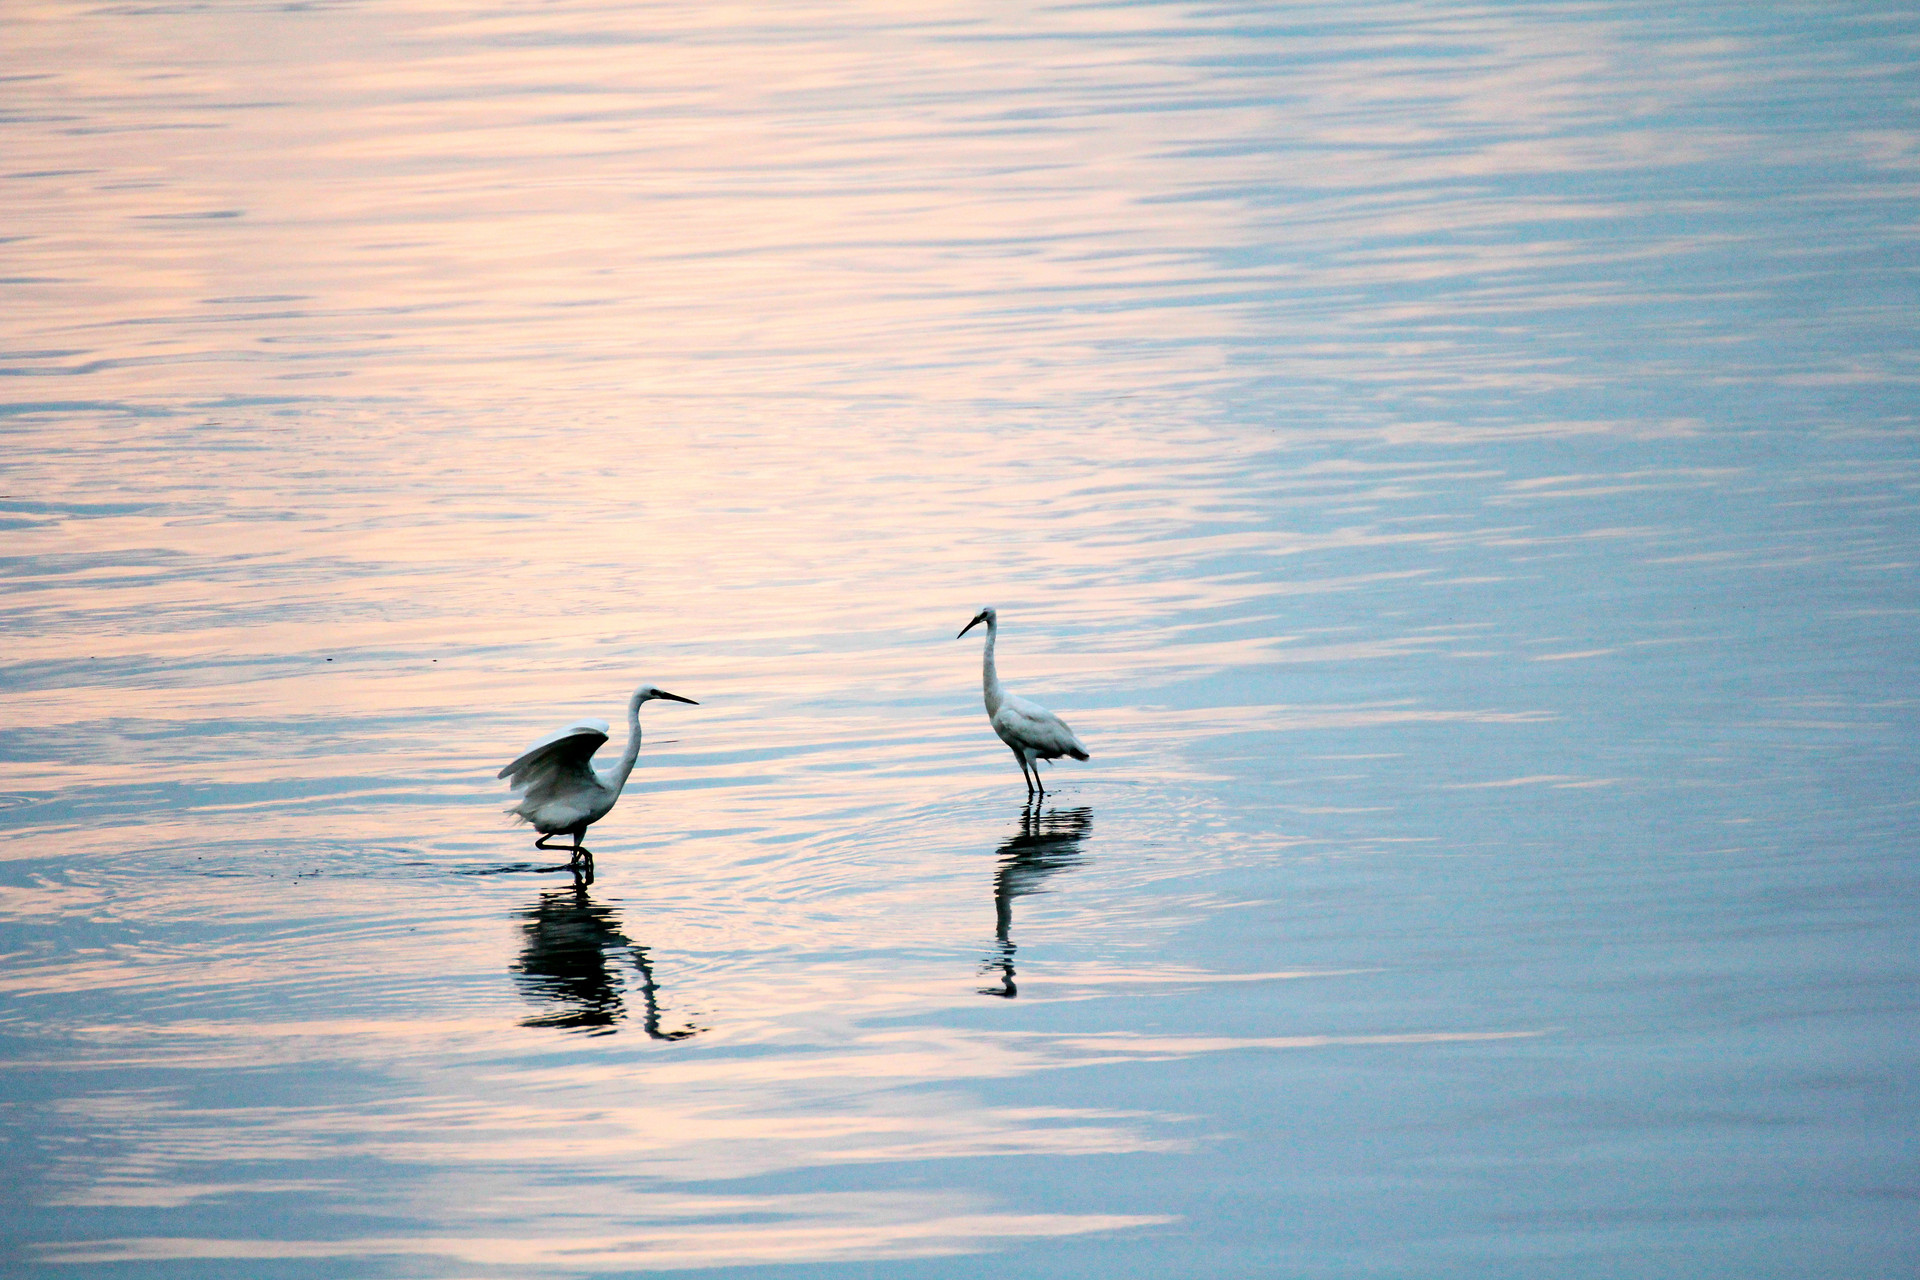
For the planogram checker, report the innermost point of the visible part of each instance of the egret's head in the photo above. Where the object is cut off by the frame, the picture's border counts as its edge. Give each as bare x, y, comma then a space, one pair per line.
648, 692
986, 615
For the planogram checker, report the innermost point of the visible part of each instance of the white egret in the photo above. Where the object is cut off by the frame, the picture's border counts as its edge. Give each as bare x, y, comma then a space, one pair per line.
562, 793
1030, 731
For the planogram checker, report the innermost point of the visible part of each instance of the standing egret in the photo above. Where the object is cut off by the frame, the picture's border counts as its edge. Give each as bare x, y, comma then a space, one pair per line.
1030, 731
561, 791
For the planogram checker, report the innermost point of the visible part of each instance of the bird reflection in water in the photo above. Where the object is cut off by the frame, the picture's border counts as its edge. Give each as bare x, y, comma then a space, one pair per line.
1048, 842
571, 963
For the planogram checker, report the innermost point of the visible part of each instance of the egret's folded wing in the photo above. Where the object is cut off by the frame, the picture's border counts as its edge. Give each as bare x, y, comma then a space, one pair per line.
1032, 725
561, 756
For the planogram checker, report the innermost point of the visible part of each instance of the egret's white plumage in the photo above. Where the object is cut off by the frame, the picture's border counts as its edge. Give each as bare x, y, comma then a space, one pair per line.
1030, 731
561, 792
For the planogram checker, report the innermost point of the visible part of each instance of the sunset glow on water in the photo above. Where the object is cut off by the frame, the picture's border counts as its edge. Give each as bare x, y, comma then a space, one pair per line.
1453, 465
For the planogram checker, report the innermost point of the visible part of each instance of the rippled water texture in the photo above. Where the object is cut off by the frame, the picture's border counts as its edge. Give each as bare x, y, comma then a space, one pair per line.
1455, 466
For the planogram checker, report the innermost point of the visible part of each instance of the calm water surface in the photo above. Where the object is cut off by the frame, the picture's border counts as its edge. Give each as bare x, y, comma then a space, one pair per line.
1455, 465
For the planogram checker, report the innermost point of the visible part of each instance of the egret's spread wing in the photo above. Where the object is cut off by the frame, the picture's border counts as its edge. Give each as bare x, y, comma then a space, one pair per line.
1028, 724
558, 762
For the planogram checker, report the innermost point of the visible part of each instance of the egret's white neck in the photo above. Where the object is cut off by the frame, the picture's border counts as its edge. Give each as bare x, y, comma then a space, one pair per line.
617, 778
989, 674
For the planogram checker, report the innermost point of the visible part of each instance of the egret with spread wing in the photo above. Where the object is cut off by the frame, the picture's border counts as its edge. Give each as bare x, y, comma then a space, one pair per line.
1030, 731
561, 793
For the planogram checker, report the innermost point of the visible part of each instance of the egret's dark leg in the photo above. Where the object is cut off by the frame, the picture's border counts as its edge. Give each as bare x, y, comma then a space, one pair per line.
541, 843
1021, 760
1038, 785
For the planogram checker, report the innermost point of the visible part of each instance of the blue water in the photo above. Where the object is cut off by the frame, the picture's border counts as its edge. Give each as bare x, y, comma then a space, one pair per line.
1455, 466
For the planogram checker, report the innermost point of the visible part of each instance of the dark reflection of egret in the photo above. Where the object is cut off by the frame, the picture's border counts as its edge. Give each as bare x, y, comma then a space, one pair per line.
1048, 842
572, 964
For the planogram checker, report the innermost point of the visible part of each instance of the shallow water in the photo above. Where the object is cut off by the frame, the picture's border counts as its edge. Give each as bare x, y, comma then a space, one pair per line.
1454, 465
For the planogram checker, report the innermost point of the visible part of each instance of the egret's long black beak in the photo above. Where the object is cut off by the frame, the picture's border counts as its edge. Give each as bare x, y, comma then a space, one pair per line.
674, 697
971, 625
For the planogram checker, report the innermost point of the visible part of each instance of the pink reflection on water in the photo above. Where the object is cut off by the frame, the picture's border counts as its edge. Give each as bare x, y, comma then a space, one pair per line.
758, 213
850, 1227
